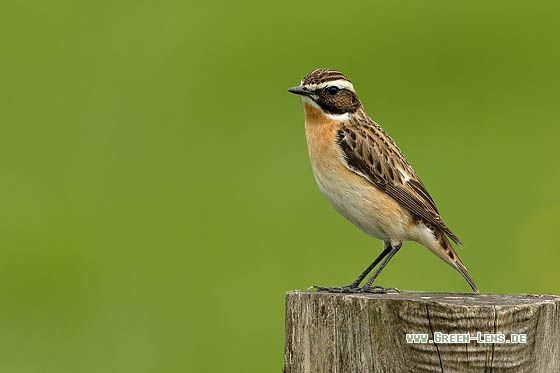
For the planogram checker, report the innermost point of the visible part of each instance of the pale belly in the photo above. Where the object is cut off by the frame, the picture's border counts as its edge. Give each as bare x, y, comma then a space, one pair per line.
361, 203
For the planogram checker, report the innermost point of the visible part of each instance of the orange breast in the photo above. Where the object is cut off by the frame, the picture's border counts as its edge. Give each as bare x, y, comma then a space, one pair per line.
320, 131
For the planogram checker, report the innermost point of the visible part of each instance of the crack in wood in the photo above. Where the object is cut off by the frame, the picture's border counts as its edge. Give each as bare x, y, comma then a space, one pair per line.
366, 332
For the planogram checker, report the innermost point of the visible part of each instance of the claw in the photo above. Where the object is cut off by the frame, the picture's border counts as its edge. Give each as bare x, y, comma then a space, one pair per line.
379, 289
350, 289
342, 289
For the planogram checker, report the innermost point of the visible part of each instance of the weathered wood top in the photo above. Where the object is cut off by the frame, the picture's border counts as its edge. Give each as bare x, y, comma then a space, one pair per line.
465, 299
329, 332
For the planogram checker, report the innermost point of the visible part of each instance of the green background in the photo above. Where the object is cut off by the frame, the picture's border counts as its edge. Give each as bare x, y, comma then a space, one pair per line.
157, 199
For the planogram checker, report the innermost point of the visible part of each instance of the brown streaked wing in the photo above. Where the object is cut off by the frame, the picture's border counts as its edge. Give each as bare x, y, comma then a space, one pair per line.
371, 153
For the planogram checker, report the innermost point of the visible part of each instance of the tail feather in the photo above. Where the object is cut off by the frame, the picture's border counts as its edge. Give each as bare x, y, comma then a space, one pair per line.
449, 255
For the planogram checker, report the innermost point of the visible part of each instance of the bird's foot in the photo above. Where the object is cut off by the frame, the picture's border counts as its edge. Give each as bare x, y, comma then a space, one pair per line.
378, 289
352, 289
339, 289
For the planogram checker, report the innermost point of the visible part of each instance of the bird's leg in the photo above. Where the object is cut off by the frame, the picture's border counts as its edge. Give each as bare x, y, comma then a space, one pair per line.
354, 286
356, 283
367, 288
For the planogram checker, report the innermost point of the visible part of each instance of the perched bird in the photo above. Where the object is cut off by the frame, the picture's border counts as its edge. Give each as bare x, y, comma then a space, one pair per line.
365, 177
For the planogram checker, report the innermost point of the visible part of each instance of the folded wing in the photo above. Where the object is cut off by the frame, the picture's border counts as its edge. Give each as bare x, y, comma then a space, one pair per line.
371, 153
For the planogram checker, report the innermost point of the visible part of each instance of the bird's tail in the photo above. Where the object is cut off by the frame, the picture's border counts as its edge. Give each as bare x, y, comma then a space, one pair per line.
446, 252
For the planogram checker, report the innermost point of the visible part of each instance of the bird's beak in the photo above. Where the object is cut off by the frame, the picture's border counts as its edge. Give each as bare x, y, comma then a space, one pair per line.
300, 90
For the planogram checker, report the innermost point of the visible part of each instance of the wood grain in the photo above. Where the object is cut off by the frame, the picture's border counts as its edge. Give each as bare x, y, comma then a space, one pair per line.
328, 332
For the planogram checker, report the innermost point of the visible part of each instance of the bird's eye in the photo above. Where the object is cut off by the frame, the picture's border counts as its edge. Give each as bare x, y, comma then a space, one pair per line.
333, 90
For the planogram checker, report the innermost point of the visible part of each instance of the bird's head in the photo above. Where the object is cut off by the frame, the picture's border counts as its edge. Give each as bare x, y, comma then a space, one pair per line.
328, 90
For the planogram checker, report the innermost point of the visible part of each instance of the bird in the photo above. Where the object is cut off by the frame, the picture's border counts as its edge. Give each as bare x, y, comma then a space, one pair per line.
366, 178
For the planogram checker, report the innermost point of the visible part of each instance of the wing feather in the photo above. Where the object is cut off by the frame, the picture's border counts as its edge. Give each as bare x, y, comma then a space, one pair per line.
371, 153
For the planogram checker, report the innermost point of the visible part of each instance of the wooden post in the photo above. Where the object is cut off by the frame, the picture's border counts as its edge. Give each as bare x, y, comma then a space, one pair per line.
367, 332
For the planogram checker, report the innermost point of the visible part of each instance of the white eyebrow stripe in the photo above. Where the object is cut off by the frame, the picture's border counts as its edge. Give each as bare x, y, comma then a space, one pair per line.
339, 83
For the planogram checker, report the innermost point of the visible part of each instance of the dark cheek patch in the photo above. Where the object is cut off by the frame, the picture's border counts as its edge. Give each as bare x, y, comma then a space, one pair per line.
344, 102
